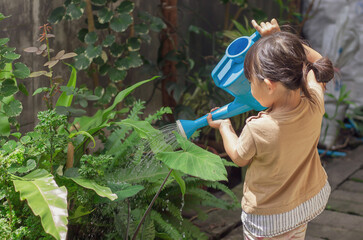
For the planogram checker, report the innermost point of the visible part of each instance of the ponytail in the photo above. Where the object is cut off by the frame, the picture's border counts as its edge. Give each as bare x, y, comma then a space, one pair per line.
323, 70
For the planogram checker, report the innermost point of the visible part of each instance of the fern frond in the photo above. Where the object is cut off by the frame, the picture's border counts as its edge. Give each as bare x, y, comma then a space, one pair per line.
165, 226
222, 187
136, 110
158, 114
193, 232
208, 199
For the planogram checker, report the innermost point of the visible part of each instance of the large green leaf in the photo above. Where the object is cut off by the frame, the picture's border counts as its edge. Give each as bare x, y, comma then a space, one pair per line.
90, 184
64, 99
46, 200
128, 190
143, 128
194, 161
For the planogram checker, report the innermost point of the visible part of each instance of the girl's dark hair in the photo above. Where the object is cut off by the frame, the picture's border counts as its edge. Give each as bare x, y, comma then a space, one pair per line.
281, 57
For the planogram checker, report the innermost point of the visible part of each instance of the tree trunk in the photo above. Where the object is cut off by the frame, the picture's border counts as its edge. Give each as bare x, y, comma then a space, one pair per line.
169, 43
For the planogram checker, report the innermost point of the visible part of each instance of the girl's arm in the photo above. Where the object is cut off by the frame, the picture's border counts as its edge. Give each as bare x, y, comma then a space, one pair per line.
268, 28
229, 137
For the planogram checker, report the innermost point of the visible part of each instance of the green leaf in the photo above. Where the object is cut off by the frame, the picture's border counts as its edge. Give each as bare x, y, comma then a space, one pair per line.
30, 165
104, 15
93, 51
125, 7
81, 62
13, 108
91, 38
121, 23
178, 178
80, 212
73, 11
141, 28
9, 146
16, 134
46, 200
11, 56
64, 99
135, 60
21, 70
82, 34
143, 128
57, 15
8, 88
116, 75
108, 40
99, 2
99, 120
90, 184
2, 16
40, 90
4, 125
23, 89
134, 44
128, 190
116, 50
157, 24
121, 95
3, 41
194, 161
85, 134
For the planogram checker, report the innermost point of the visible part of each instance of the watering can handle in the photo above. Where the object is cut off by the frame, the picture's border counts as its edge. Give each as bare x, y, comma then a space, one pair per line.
255, 36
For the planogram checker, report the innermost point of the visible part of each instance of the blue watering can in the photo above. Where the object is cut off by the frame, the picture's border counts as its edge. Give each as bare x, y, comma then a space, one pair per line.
228, 75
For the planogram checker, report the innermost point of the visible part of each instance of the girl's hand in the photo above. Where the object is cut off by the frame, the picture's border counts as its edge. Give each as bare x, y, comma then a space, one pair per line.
217, 123
267, 28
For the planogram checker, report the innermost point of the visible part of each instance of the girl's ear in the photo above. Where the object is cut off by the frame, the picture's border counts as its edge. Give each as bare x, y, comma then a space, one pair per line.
271, 85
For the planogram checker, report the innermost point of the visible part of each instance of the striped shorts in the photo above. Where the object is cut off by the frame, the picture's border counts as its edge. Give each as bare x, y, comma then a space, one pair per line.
297, 234
278, 224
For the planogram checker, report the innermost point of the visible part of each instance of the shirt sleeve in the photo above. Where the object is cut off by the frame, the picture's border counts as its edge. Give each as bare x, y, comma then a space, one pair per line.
246, 146
317, 94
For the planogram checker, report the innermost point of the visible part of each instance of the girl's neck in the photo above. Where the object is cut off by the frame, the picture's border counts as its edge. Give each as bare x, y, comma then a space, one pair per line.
286, 101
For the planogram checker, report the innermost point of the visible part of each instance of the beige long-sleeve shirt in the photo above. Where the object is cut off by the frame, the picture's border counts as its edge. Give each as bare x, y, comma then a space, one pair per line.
285, 170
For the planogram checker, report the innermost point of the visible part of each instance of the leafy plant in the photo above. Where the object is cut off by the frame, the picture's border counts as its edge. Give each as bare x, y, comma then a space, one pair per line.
10, 107
54, 81
111, 39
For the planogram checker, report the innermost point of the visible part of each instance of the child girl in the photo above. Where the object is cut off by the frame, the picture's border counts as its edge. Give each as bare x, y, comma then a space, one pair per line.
285, 185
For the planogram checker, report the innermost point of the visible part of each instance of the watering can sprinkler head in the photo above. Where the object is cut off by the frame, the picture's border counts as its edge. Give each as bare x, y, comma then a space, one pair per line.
228, 75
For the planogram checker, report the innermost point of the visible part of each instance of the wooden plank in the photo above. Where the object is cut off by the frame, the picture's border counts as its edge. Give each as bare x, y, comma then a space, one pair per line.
358, 175
318, 231
219, 223
347, 202
341, 170
352, 186
236, 234
340, 220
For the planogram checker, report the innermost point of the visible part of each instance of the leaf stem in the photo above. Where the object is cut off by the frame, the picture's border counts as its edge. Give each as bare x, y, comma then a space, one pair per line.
150, 206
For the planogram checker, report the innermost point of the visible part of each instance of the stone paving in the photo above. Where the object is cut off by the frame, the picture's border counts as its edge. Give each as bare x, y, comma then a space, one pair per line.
342, 219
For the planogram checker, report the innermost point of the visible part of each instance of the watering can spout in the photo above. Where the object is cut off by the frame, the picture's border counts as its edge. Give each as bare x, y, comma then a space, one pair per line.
228, 75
